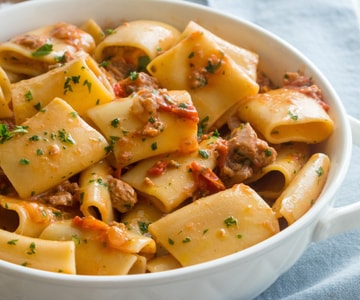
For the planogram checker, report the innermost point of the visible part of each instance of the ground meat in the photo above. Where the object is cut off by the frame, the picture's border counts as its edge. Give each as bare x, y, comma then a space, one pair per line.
264, 82
30, 41
304, 85
245, 154
123, 196
65, 194
138, 81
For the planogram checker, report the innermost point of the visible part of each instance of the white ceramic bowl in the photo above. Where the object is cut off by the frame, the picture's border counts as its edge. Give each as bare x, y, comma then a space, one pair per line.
239, 276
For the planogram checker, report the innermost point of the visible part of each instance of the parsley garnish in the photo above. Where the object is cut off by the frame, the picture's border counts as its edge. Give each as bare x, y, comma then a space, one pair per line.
144, 227
230, 221
6, 134
43, 50
65, 137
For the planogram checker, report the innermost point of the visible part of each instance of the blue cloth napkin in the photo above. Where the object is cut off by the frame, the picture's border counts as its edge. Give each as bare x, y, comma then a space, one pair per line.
328, 33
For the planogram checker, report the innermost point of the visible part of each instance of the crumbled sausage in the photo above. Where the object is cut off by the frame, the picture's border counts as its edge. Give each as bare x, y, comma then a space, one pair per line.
123, 196
245, 154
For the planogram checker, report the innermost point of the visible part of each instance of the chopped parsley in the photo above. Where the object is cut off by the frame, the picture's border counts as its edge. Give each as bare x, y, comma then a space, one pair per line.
203, 153
43, 50
115, 123
293, 116
29, 96
320, 171
7, 134
230, 221
201, 126
154, 146
110, 147
32, 247
186, 240
24, 161
143, 226
65, 137
133, 75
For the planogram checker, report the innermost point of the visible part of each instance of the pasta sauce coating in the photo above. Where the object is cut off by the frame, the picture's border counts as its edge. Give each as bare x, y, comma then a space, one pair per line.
144, 148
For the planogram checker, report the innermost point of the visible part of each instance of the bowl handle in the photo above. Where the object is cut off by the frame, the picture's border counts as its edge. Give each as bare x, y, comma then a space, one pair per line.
345, 218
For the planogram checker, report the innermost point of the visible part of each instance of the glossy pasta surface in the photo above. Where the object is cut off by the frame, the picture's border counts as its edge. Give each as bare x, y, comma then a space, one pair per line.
144, 148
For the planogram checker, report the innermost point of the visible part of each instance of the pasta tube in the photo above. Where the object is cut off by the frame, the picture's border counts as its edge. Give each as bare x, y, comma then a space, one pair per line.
34, 52
304, 189
275, 177
215, 226
54, 256
79, 82
285, 115
136, 40
25, 217
162, 263
166, 180
52, 146
100, 249
202, 66
138, 219
95, 194
5, 95
135, 133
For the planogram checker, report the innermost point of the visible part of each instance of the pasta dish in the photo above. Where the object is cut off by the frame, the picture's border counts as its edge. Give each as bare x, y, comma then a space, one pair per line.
145, 148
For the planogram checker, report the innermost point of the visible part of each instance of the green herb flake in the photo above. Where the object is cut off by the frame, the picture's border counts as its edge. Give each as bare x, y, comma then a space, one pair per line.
143, 226
183, 105
88, 84
115, 122
320, 171
171, 241
37, 106
110, 31
29, 96
201, 126
211, 67
12, 242
60, 58
32, 247
230, 221
293, 116
104, 64
75, 239
66, 137
203, 153
74, 114
154, 146
133, 75
268, 152
34, 138
24, 161
43, 50
110, 147
186, 240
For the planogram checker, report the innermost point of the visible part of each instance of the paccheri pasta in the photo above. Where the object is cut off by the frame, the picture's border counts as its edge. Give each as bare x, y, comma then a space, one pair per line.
146, 148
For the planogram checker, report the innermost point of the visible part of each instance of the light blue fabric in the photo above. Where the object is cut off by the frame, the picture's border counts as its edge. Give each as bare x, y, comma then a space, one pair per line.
328, 33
